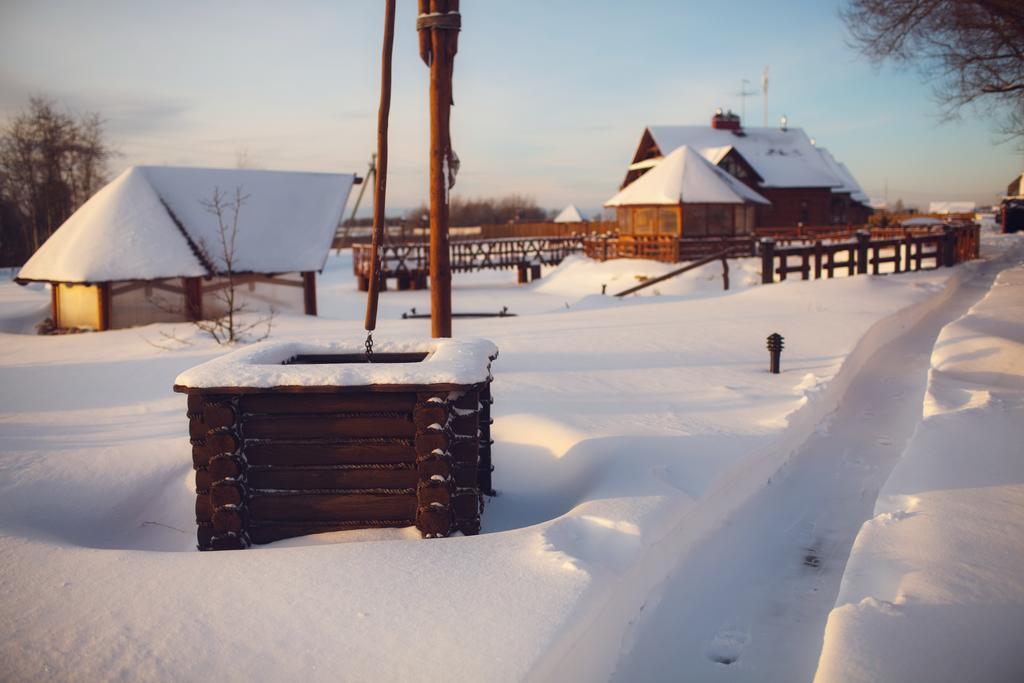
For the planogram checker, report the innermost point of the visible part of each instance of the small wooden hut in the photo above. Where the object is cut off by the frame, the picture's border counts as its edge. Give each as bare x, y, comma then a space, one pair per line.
685, 195
147, 249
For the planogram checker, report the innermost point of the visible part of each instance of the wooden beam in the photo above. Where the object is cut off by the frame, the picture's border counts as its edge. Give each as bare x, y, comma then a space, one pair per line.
103, 295
309, 291
194, 298
381, 174
55, 303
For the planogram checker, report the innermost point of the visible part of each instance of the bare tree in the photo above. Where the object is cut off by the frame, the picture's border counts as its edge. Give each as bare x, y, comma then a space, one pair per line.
972, 51
227, 328
484, 211
50, 164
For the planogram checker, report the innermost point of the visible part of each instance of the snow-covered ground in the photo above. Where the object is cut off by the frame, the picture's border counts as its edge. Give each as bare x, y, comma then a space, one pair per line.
934, 589
629, 434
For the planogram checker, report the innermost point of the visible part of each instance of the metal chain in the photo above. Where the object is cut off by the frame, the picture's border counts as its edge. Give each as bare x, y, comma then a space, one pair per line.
369, 347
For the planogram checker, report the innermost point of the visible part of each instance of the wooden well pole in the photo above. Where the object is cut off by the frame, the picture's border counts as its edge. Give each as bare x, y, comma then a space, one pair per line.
381, 174
438, 27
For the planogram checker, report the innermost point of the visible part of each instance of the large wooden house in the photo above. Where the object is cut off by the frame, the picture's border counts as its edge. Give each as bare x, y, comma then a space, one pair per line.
803, 184
146, 248
685, 195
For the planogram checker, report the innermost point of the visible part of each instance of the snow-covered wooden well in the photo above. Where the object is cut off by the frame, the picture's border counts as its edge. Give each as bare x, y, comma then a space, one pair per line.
295, 438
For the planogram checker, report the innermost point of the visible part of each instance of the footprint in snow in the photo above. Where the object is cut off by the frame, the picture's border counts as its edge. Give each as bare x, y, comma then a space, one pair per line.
884, 441
726, 647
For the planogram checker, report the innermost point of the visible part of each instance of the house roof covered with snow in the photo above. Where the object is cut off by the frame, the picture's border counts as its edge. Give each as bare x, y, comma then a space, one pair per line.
570, 214
951, 207
685, 176
782, 157
155, 222
839, 169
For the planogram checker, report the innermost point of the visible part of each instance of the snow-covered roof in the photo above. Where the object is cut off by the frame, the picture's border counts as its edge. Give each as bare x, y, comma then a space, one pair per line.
783, 158
570, 214
839, 169
150, 222
685, 176
951, 207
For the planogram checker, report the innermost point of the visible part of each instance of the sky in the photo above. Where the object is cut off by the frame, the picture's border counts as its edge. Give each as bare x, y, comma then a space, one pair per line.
551, 97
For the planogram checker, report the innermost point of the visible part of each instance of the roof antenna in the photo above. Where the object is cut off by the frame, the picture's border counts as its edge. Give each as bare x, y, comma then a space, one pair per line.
744, 94
764, 90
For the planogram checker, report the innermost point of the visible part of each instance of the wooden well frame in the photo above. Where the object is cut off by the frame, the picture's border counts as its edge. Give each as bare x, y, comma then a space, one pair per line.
284, 461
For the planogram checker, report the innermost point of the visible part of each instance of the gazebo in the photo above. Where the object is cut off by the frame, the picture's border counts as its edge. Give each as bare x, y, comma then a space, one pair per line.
145, 248
685, 195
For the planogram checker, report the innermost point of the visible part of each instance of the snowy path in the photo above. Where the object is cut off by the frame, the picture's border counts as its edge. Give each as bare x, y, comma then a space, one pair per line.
750, 602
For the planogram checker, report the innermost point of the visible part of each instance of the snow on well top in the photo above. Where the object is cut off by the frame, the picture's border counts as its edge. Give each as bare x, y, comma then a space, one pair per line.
784, 158
449, 361
570, 214
685, 176
139, 226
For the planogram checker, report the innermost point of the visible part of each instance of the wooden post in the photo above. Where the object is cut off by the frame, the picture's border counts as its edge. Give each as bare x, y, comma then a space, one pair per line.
193, 298
948, 246
767, 260
55, 304
725, 272
103, 289
438, 26
817, 259
863, 238
381, 174
309, 292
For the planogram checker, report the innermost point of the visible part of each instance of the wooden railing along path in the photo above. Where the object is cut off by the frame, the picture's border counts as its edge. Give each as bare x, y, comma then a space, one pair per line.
409, 263
870, 252
843, 250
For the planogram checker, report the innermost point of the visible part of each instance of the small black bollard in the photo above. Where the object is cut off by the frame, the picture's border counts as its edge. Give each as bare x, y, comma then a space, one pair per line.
775, 344
604, 289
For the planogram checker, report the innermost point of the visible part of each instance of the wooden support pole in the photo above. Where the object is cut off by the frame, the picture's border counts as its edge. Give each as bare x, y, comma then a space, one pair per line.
309, 292
55, 304
439, 19
381, 175
193, 298
767, 260
863, 238
103, 290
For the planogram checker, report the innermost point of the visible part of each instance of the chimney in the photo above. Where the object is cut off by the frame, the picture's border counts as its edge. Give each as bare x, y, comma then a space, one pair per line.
726, 121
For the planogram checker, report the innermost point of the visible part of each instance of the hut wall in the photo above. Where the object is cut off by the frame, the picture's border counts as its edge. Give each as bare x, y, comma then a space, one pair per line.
78, 306
142, 303
283, 293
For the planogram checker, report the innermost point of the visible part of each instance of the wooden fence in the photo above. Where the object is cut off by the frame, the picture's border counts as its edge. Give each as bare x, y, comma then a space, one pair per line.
665, 248
409, 263
870, 252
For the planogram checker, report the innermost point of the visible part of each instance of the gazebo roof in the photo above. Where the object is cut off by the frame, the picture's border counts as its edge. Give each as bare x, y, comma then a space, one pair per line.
570, 214
150, 222
685, 176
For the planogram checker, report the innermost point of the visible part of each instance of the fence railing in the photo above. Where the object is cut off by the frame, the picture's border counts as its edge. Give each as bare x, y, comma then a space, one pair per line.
665, 248
870, 252
409, 263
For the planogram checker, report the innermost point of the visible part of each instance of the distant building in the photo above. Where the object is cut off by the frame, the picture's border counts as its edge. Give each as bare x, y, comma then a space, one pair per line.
571, 214
946, 208
686, 195
802, 183
145, 248
1011, 211
1016, 187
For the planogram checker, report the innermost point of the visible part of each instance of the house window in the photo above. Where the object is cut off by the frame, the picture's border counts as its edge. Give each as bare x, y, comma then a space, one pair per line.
644, 221
719, 219
695, 222
624, 224
668, 221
